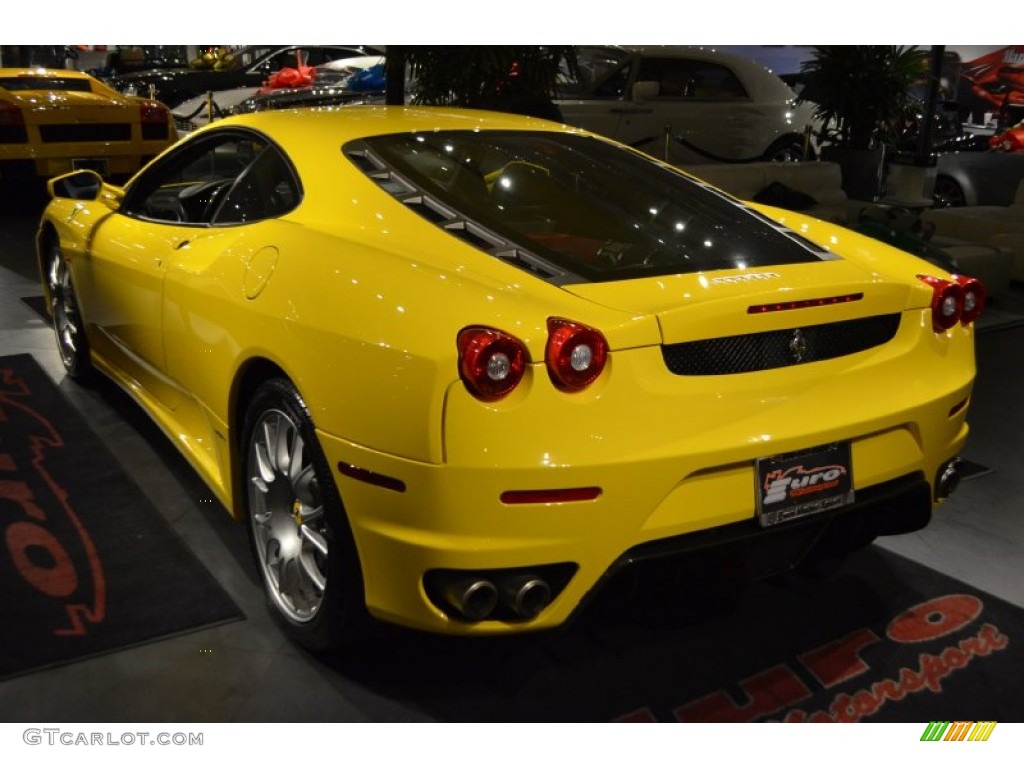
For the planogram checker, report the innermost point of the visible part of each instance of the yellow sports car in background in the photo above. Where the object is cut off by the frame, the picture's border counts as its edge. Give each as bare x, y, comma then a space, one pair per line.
455, 369
53, 121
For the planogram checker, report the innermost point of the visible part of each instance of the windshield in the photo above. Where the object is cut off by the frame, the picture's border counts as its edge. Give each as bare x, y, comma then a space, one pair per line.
583, 205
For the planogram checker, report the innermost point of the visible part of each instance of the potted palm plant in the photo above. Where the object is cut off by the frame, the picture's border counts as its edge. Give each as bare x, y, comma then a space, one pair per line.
507, 78
861, 94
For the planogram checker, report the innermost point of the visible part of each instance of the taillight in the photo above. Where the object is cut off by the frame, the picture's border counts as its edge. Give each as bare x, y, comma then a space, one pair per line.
10, 114
153, 112
947, 302
154, 121
12, 124
974, 298
575, 354
491, 362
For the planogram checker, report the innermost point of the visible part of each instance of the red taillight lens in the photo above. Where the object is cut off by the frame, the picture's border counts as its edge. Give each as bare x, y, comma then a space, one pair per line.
947, 302
974, 298
491, 362
152, 112
575, 355
10, 114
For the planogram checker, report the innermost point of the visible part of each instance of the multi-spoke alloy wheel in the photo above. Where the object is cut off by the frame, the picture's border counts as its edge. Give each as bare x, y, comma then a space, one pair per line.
287, 516
67, 319
300, 537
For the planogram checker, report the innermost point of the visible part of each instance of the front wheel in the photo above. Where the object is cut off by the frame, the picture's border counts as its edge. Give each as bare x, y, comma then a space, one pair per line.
68, 326
299, 533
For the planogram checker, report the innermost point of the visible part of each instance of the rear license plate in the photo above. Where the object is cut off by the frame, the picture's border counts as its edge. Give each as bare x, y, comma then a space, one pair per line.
795, 485
98, 164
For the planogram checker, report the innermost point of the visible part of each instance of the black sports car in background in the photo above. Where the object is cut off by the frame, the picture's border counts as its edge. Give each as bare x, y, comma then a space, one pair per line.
250, 66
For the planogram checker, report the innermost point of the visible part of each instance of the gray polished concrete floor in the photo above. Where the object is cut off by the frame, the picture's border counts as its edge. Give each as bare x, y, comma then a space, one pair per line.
255, 674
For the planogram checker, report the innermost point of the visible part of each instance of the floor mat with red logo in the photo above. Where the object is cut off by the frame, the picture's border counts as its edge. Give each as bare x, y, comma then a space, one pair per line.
87, 565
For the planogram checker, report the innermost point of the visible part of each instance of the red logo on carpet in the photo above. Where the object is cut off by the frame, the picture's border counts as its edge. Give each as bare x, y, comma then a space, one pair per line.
777, 691
48, 545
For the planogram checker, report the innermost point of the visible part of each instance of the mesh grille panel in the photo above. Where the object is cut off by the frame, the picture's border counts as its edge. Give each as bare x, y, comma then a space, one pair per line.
86, 132
13, 134
778, 349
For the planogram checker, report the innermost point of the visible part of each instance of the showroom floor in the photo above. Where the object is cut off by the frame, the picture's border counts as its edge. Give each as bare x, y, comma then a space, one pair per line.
248, 671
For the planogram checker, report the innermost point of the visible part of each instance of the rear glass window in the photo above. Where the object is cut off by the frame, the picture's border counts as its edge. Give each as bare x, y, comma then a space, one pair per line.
33, 83
589, 208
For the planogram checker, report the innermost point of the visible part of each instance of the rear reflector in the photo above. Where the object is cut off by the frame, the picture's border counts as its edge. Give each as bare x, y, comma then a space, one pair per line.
553, 496
958, 407
373, 478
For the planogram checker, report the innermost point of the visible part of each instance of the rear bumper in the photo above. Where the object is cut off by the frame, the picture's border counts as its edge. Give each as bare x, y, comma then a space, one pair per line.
53, 159
106, 161
451, 521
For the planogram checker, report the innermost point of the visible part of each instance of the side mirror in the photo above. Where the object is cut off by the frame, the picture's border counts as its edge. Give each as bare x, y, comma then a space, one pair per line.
644, 90
85, 185
78, 185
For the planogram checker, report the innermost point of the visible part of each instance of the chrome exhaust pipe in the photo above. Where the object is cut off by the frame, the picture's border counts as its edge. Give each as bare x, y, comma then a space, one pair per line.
475, 599
949, 479
526, 595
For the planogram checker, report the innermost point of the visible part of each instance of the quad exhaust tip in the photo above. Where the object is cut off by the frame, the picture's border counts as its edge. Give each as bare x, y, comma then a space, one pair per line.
526, 596
518, 596
475, 599
949, 479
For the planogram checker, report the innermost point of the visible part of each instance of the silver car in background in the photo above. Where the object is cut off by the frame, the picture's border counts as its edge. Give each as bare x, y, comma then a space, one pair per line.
685, 105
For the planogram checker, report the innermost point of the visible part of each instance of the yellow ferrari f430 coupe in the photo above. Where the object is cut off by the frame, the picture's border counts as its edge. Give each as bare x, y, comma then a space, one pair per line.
454, 370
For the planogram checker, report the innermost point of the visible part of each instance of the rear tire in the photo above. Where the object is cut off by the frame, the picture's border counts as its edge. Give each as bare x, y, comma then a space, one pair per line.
300, 536
948, 193
787, 150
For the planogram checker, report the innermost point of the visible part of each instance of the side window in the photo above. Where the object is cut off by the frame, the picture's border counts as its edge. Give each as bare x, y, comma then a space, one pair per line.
686, 79
615, 86
280, 60
190, 185
600, 73
317, 56
268, 188
673, 76
712, 81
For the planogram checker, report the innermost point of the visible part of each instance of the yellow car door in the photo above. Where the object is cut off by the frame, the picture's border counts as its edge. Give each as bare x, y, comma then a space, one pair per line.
123, 294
